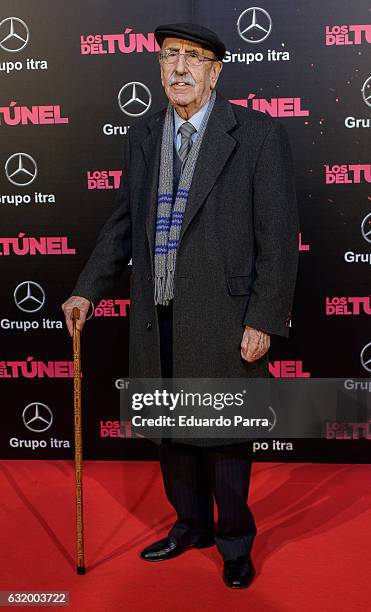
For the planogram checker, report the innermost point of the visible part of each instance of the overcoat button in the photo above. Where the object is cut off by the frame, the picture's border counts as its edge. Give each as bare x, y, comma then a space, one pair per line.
149, 325
149, 278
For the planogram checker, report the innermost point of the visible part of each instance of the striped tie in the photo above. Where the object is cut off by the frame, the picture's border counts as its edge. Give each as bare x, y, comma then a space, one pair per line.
186, 130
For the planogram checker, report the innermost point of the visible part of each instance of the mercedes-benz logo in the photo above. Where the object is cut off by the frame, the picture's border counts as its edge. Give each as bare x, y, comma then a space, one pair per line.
29, 296
21, 169
366, 357
14, 34
134, 99
366, 91
37, 417
366, 228
254, 25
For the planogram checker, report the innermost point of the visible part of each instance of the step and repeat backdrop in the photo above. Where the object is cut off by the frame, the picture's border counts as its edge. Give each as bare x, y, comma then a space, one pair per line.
75, 76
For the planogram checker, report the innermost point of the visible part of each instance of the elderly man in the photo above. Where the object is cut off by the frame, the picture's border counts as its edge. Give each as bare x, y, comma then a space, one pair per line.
207, 211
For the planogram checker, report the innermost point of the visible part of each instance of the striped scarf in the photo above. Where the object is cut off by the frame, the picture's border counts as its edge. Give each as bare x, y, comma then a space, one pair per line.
170, 210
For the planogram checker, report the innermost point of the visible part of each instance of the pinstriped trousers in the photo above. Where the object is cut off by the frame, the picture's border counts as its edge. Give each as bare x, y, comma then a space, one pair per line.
195, 476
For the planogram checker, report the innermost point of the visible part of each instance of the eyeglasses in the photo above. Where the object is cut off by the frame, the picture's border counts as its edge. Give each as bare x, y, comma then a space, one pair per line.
191, 58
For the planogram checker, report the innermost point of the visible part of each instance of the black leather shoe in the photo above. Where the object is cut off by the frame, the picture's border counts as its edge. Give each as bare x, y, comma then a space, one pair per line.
168, 548
238, 573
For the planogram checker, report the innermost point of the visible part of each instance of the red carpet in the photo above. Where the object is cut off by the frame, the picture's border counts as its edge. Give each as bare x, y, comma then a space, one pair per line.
313, 550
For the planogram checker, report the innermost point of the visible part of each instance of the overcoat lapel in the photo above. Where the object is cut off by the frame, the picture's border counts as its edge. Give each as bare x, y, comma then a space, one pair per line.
216, 149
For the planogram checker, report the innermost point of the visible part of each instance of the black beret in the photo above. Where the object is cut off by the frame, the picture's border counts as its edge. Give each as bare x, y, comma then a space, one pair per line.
194, 32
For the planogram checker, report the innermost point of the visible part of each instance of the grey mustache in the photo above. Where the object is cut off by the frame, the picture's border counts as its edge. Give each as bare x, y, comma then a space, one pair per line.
185, 79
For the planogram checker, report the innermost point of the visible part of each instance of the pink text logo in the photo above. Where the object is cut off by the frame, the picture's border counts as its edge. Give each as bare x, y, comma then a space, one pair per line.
348, 305
302, 246
36, 369
117, 429
275, 107
347, 431
348, 34
45, 245
287, 369
112, 308
126, 42
37, 115
348, 173
104, 179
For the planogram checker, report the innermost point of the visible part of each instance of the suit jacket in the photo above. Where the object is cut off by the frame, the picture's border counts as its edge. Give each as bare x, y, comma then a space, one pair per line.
237, 257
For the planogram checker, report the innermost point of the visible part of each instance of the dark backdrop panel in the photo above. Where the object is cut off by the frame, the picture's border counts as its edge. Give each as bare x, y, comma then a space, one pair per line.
310, 69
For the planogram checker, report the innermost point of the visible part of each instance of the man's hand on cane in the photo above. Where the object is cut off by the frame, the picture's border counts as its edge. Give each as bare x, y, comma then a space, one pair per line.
76, 301
254, 344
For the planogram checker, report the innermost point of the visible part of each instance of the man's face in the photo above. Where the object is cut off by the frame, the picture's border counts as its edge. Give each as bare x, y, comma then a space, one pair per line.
188, 87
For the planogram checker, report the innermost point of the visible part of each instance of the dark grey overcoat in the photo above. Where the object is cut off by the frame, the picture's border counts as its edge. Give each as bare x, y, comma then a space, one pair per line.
237, 257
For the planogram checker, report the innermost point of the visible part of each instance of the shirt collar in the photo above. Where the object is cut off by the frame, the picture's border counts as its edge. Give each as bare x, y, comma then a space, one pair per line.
196, 119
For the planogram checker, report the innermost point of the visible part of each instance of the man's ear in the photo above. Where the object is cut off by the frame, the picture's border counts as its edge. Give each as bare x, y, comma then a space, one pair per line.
162, 76
216, 70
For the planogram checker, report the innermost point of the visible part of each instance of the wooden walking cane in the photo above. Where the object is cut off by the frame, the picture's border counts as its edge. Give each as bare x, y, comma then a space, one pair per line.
80, 568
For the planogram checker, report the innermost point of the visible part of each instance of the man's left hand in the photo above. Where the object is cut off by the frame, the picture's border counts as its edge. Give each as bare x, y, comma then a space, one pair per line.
254, 344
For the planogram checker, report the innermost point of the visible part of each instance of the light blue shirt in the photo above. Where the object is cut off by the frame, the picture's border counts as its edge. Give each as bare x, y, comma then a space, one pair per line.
196, 121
